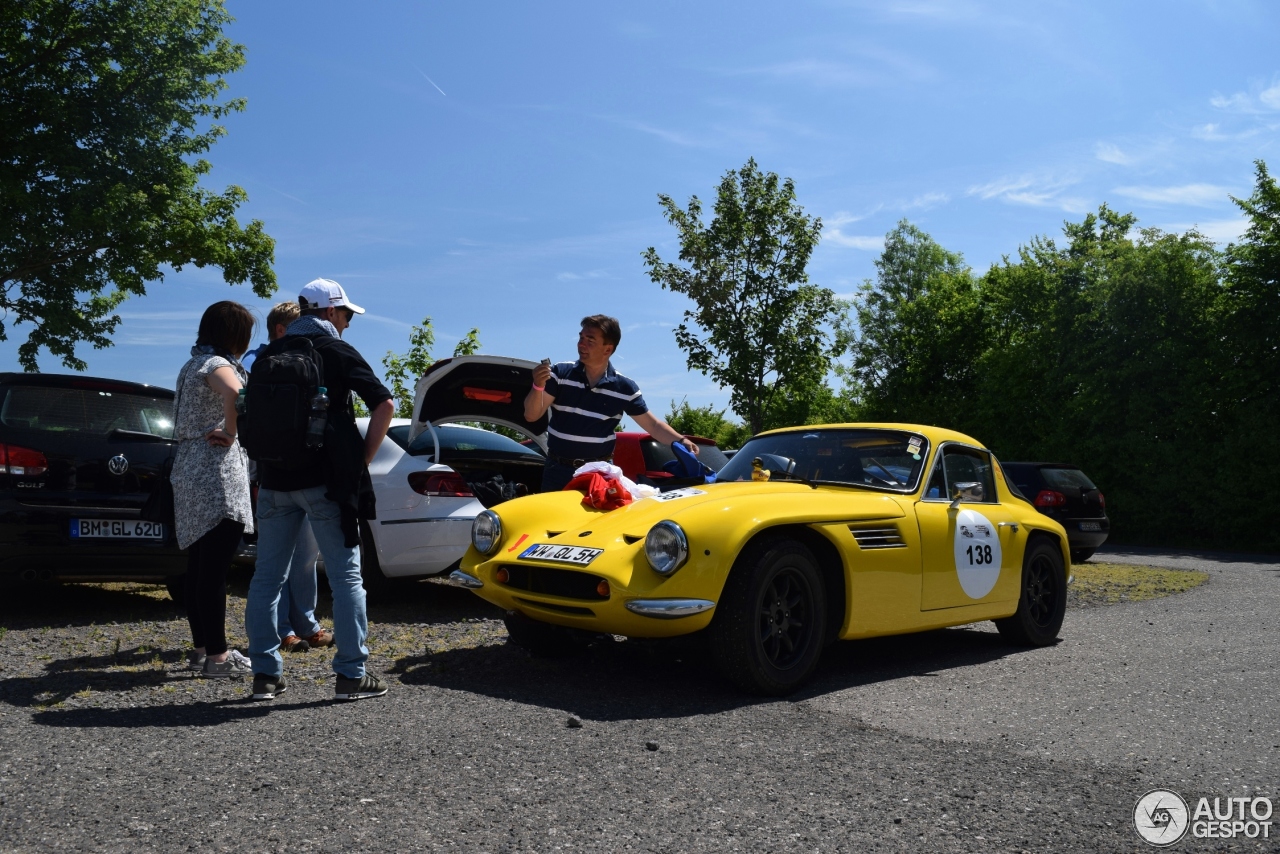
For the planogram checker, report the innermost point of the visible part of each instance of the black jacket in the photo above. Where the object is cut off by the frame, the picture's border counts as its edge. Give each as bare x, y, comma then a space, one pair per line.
342, 471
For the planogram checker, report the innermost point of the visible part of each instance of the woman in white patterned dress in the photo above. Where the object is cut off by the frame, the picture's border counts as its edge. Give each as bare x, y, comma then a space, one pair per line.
211, 481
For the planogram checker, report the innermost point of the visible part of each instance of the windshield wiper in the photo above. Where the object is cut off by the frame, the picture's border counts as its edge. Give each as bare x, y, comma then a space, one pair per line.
791, 476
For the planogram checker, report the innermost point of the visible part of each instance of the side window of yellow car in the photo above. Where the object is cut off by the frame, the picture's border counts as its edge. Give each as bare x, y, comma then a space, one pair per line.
961, 470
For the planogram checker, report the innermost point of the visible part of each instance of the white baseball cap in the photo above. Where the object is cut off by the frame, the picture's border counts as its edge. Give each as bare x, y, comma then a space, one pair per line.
324, 293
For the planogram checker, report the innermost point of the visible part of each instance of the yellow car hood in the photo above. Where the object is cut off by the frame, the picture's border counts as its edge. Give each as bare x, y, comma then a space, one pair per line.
728, 509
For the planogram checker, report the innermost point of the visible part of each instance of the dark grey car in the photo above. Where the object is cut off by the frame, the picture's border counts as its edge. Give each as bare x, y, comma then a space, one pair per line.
1065, 493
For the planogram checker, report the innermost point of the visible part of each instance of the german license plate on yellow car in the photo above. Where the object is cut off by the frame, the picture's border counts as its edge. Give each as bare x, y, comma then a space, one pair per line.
579, 555
116, 529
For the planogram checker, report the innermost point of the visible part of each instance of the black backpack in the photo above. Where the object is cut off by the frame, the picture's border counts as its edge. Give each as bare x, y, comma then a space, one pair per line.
282, 383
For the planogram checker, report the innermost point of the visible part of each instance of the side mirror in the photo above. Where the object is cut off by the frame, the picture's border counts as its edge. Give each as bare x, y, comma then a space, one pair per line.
968, 490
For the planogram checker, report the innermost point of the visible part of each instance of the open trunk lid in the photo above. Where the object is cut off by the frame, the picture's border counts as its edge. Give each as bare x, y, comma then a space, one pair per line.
489, 389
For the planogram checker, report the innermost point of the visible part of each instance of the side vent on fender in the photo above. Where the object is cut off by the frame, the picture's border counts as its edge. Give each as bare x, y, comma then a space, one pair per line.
878, 538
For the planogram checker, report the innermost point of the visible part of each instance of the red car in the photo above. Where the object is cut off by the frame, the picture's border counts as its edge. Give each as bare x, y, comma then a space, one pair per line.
641, 455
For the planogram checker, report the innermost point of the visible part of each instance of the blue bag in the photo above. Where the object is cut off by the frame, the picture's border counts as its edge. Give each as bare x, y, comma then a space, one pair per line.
687, 467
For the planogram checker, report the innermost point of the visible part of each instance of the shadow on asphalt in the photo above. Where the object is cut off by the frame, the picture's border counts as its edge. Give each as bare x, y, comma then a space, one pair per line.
673, 678
186, 715
39, 605
610, 680
29, 606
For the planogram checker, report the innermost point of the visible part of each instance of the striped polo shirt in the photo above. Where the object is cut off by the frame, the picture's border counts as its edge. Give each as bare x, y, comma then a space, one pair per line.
583, 417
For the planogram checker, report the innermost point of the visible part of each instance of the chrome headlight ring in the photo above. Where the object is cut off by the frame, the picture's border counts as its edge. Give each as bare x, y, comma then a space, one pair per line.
666, 547
486, 532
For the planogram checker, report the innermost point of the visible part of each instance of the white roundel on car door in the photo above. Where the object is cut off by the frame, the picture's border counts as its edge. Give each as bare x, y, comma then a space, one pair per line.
977, 550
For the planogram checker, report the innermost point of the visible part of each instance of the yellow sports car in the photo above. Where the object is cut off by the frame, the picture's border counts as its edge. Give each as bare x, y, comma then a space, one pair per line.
808, 535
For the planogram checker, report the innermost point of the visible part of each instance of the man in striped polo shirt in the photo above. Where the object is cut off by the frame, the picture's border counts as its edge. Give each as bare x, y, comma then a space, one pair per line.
587, 399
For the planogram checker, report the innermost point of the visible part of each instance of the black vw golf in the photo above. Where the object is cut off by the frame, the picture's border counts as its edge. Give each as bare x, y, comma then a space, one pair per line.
1065, 492
78, 458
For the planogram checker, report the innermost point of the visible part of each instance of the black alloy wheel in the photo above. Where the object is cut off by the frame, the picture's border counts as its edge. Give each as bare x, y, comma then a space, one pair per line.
770, 624
1043, 602
376, 585
784, 618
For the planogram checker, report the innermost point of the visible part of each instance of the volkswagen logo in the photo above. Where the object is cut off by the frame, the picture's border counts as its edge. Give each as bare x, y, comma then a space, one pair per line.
118, 464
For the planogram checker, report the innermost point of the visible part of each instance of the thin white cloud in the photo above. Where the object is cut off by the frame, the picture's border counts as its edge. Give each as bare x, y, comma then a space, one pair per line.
389, 321
674, 137
1271, 97
1259, 101
160, 315
1110, 153
1237, 102
1203, 195
157, 339
871, 66
661, 324
1032, 191
1219, 231
832, 231
926, 201
575, 277
868, 243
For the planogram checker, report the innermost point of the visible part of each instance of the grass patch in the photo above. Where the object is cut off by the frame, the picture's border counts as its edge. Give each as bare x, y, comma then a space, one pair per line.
1111, 583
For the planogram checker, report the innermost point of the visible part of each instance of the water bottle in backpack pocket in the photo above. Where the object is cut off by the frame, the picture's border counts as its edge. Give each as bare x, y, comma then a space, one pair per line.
318, 419
286, 405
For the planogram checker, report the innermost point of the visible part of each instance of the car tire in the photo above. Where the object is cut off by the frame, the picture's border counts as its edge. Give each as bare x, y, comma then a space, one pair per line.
768, 631
1042, 601
376, 585
1081, 555
177, 587
542, 640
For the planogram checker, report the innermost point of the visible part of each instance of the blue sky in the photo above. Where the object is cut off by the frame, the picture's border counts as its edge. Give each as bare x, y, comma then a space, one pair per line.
497, 165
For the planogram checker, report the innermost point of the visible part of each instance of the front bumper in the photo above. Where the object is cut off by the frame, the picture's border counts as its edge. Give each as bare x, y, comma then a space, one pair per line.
566, 597
669, 609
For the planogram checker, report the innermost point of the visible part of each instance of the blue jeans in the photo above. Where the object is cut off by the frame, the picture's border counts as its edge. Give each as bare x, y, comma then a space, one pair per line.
296, 612
280, 516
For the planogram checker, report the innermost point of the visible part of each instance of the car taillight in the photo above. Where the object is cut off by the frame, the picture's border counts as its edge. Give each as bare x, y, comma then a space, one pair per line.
22, 461
449, 484
1102, 501
1050, 498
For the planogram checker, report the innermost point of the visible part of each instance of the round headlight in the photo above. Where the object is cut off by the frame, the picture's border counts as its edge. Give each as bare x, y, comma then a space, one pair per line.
666, 547
486, 532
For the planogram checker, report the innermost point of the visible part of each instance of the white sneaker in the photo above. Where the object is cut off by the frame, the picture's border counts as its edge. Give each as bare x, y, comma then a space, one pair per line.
236, 666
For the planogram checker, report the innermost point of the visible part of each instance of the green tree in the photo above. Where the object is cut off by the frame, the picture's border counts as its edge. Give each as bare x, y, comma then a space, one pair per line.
405, 369
1102, 353
108, 105
758, 326
919, 331
707, 421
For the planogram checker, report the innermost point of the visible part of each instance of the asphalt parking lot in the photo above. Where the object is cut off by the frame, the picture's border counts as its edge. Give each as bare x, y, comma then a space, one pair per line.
948, 741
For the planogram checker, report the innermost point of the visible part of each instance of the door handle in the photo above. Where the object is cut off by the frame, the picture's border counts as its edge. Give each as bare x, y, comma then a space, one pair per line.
1012, 526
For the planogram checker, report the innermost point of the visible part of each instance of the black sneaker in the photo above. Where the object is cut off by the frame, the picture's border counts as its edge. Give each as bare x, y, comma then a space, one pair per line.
359, 689
266, 687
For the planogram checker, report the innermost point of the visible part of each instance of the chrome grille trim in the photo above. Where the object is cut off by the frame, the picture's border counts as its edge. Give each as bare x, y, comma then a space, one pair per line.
878, 538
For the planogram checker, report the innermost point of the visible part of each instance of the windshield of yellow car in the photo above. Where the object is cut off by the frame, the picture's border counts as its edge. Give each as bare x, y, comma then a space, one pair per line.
870, 458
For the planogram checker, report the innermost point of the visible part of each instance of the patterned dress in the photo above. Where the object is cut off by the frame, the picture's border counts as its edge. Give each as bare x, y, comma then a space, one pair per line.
209, 483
